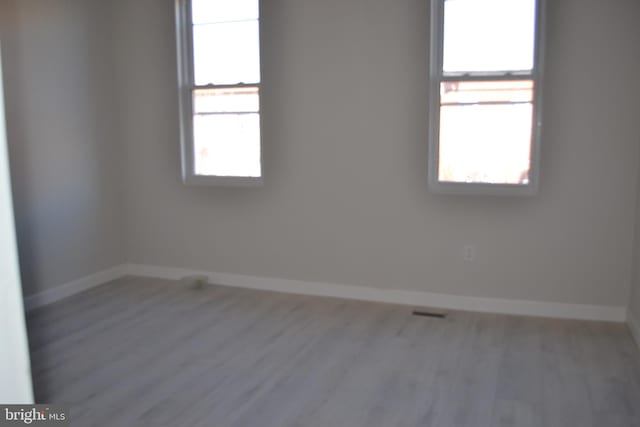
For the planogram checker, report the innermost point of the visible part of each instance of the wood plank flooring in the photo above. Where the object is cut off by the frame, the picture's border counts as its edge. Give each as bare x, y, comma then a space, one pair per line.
151, 352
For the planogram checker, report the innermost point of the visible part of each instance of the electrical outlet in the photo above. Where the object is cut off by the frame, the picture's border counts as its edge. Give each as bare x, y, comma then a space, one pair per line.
469, 253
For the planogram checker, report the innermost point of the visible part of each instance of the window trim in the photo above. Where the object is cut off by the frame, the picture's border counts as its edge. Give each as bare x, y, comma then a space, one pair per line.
186, 86
437, 76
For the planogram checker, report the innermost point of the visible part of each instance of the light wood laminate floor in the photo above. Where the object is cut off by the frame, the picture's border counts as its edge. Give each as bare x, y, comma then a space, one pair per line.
150, 352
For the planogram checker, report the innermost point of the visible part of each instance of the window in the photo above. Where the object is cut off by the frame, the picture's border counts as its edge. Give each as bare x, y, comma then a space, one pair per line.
219, 82
485, 96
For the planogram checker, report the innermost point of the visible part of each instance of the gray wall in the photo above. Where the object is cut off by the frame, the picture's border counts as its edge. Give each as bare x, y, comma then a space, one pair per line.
345, 198
64, 152
92, 105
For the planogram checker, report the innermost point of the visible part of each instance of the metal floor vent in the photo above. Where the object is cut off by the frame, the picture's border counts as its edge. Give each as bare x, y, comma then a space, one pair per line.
429, 314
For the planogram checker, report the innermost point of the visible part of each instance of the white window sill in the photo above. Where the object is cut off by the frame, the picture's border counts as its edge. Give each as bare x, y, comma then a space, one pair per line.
223, 181
483, 189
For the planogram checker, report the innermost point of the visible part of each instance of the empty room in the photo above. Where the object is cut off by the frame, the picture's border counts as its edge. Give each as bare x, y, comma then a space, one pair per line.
320, 213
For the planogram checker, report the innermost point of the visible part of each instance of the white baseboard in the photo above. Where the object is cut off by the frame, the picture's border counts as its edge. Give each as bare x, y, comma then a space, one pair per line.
74, 287
404, 297
634, 326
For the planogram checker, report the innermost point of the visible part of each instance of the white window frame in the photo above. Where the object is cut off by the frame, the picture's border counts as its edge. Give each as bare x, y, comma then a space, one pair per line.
186, 86
437, 76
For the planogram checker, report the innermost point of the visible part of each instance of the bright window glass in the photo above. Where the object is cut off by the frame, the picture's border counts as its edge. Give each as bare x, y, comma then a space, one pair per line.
227, 145
488, 35
226, 53
226, 127
212, 11
494, 143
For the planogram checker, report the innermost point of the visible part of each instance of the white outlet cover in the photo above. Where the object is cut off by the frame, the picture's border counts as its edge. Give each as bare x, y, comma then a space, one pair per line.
468, 252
